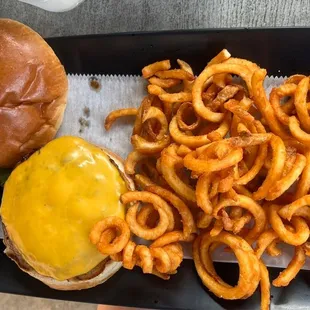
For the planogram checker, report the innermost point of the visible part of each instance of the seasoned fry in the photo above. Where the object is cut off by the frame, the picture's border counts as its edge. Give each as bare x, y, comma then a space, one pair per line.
264, 287
288, 211
222, 130
275, 96
155, 113
292, 269
181, 116
192, 161
107, 245
114, 115
299, 134
182, 138
298, 237
225, 94
285, 182
131, 161
164, 83
186, 67
155, 90
264, 105
168, 169
175, 74
275, 171
202, 193
303, 185
171, 237
251, 206
301, 103
189, 226
249, 267
220, 57
176, 97
151, 69
166, 219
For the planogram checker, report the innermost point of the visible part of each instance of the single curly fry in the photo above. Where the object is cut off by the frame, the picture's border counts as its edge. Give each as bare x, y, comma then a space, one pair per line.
108, 246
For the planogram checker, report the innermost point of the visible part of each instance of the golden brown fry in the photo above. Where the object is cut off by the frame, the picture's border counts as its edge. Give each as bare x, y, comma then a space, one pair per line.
222, 130
146, 103
171, 237
294, 79
239, 223
275, 171
164, 83
275, 96
175, 97
264, 287
148, 147
297, 262
181, 138
132, 160
298, 237
185, 115
183, 150
249, 268
285, 182
273, 249
264, 240
203, 220
186, 67
169, 164
303, 185
225, 94
301, 103
192, 161
114, 115
220, 57
202, 193
264, 105
156, 113
151, 69
166, 218
147, 216
251, 206
217, 228
108, 246
297, 132
204, 76
288, 211
155, 90
187, 219
210, 93
222, 80
175, 74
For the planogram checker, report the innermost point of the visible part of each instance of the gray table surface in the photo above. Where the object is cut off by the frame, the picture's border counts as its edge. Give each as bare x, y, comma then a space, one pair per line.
105, 16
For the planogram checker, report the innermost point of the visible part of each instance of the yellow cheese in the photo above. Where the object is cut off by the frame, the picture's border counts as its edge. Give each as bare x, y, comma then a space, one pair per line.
52, 200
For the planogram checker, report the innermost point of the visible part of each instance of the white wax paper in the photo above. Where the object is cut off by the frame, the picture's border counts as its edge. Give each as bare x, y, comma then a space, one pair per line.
85, 114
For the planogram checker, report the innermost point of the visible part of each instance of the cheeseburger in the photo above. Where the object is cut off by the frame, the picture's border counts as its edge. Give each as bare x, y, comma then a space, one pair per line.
50, 203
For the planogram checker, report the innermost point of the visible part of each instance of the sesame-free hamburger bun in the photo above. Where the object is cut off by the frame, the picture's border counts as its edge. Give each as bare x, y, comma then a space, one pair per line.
33, 92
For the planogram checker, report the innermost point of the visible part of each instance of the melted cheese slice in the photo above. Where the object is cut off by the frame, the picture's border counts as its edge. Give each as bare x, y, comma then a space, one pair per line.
52, 200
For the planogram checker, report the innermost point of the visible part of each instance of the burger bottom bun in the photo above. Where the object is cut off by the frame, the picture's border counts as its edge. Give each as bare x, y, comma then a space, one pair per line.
101, 273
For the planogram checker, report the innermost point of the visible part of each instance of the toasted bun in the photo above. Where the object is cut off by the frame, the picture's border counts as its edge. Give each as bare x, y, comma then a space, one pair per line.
33, 92
102, 272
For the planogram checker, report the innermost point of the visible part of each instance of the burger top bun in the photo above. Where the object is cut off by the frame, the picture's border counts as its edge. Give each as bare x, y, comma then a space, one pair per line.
33, 92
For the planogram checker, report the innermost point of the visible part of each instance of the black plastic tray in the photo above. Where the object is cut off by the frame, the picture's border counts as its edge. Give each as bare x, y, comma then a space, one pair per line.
287, 50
